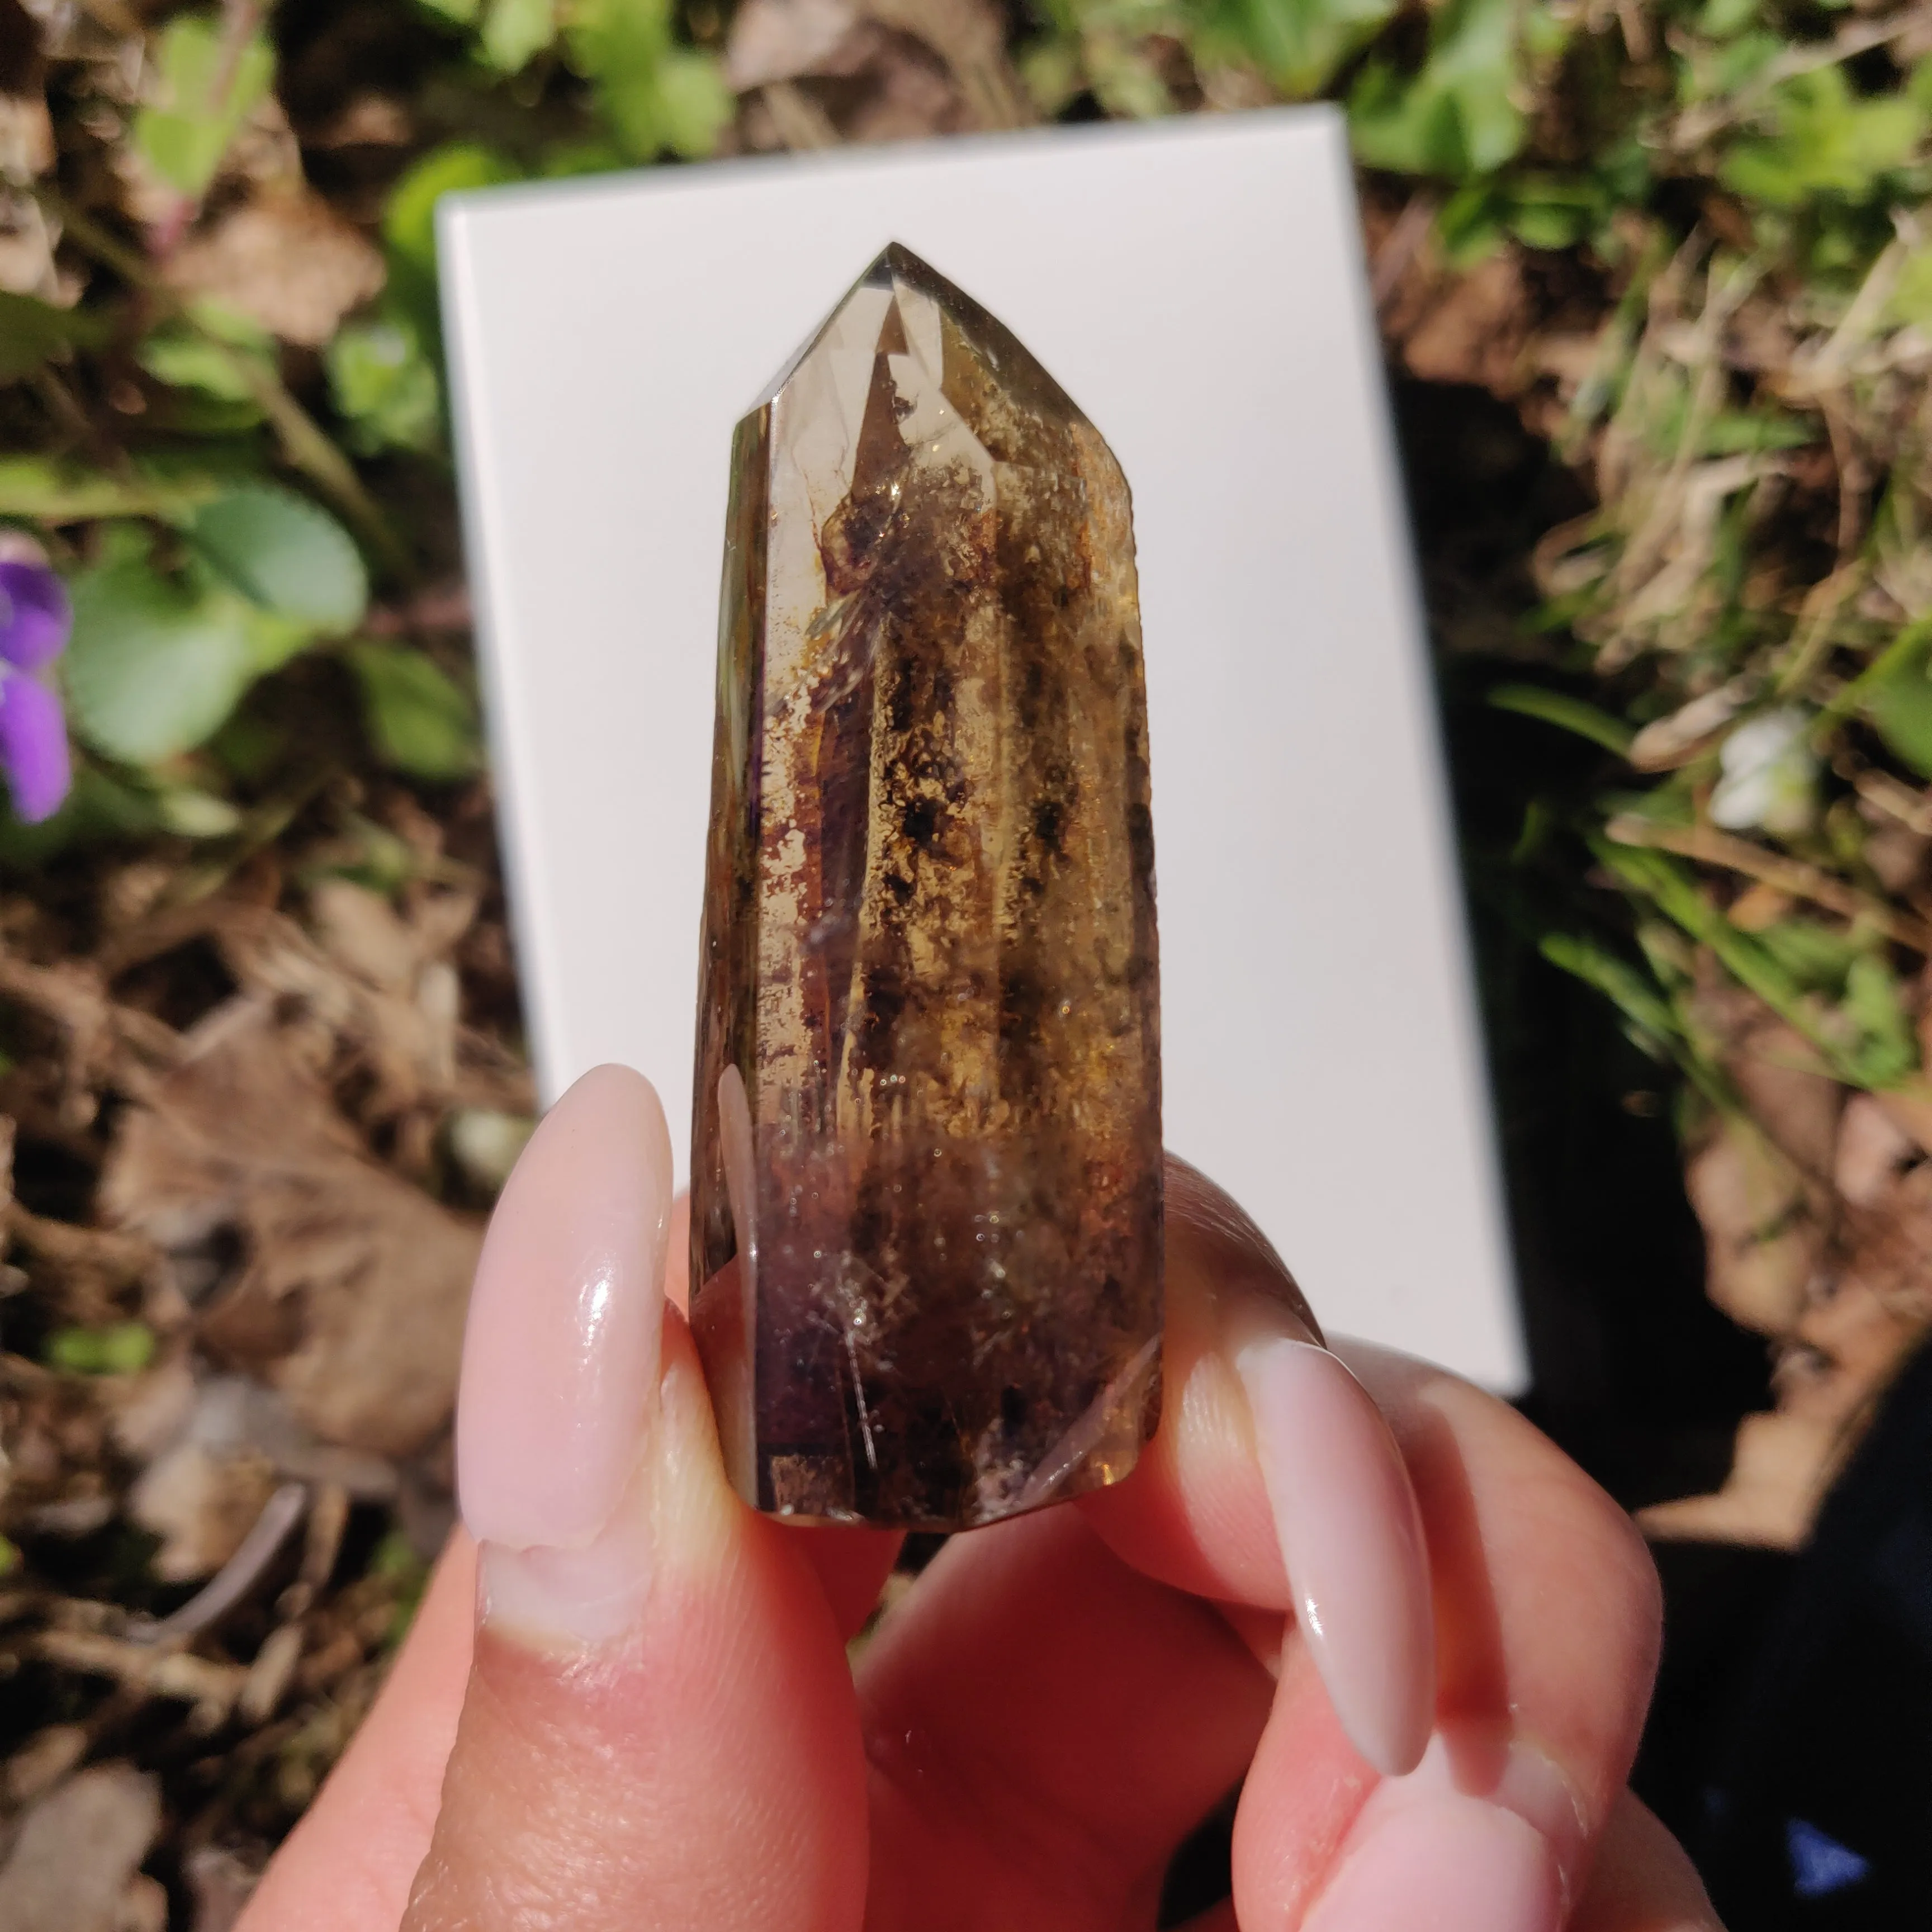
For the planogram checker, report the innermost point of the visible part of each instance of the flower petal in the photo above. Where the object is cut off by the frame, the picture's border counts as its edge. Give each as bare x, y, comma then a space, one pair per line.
35, 615
33, 748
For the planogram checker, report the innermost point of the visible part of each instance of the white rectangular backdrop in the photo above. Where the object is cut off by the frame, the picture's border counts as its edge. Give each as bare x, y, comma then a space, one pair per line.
1197, 287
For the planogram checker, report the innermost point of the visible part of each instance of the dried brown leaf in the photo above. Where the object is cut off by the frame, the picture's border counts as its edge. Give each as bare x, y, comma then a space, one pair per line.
201, 1505
350, 1295
76, 1849
1761, 1245
1464, 328
1778, 1476
289, 262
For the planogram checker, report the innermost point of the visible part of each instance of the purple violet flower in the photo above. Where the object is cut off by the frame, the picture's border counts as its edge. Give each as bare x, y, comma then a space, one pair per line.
35, 618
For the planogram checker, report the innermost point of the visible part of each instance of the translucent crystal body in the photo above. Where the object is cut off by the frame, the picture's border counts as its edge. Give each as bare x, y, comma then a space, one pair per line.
926, 1192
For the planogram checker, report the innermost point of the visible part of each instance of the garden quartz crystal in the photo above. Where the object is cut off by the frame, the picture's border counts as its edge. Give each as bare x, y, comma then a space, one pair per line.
926, 1166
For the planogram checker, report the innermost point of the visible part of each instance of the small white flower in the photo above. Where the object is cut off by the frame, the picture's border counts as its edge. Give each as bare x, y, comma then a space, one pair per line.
1770, 779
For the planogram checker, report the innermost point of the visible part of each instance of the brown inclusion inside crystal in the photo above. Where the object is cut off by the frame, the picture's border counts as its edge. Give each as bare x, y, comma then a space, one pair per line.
926, 1196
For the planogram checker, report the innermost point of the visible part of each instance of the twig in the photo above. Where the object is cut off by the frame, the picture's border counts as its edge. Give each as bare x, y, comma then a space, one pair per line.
158, 1673
1696, 126
1400, 245
236, 1579
1911, 809
802, 124
1793, 876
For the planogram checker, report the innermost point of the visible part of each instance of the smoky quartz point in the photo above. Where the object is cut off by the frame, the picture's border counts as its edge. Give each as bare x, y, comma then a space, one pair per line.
926, 1167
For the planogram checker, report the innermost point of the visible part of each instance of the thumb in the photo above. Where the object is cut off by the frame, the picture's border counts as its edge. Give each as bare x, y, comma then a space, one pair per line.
659, 1728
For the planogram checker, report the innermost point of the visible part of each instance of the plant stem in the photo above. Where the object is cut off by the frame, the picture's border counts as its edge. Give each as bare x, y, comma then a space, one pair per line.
304, 443
1790, 876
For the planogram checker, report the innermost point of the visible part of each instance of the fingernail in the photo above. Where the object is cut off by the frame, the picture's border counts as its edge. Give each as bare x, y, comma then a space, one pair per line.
560, 1359
1351, 1538
1460, 1848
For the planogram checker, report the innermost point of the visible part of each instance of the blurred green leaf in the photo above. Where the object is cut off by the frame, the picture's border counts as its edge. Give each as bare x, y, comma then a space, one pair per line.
1884, 1049
101, 805
418, 720
191, 814
384, 386
1571, 714
653, 95
1719, 19
408, 222
1824, 139
514, 31
285, 554
34, 333
1635, 996
153, 666
1817, 956
37, 488
1298, 44
1900, 707
119, 1349
1457, 117
207, 86
187, 357
1911, 297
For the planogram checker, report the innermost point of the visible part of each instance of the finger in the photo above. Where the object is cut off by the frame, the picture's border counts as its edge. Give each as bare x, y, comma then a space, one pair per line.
1044, 1725
1641, 1880
348, 1865
1273, 1483
658, 1729
1547, 1620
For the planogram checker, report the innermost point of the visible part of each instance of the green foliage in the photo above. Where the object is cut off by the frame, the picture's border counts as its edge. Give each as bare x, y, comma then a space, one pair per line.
1298, 44
40, 490
211, 354
34, 333
159, 659
1458, 115
408, 223
209, 83
1821, 138
655, 96
419, 721
155, 663
1571, 714
384, 385
514, 31
1900, 706
284, 555
120, 1348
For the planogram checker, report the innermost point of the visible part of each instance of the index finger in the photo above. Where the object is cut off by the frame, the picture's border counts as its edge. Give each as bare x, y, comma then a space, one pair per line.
1274, 1484
1544, 1599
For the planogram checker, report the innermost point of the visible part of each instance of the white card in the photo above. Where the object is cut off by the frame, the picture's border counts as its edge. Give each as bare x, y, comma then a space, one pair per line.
1197, 286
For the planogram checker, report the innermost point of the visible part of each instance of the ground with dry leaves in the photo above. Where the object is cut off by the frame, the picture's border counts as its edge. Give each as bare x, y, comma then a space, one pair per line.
1658, 304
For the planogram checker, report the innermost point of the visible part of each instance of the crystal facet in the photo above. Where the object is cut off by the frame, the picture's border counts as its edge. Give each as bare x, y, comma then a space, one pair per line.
926, 1179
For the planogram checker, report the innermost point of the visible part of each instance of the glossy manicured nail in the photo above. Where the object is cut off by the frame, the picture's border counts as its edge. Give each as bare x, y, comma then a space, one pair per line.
560, 1362
1467, 1847
1351, 1537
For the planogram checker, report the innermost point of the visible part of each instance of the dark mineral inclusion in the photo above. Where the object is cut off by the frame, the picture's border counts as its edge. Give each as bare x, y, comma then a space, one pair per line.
926, 1203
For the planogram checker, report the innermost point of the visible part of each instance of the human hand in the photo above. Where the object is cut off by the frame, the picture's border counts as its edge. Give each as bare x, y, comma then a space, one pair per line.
655, 1725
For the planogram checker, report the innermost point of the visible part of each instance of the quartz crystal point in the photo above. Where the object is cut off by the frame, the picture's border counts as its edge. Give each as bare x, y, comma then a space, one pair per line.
926, 1192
